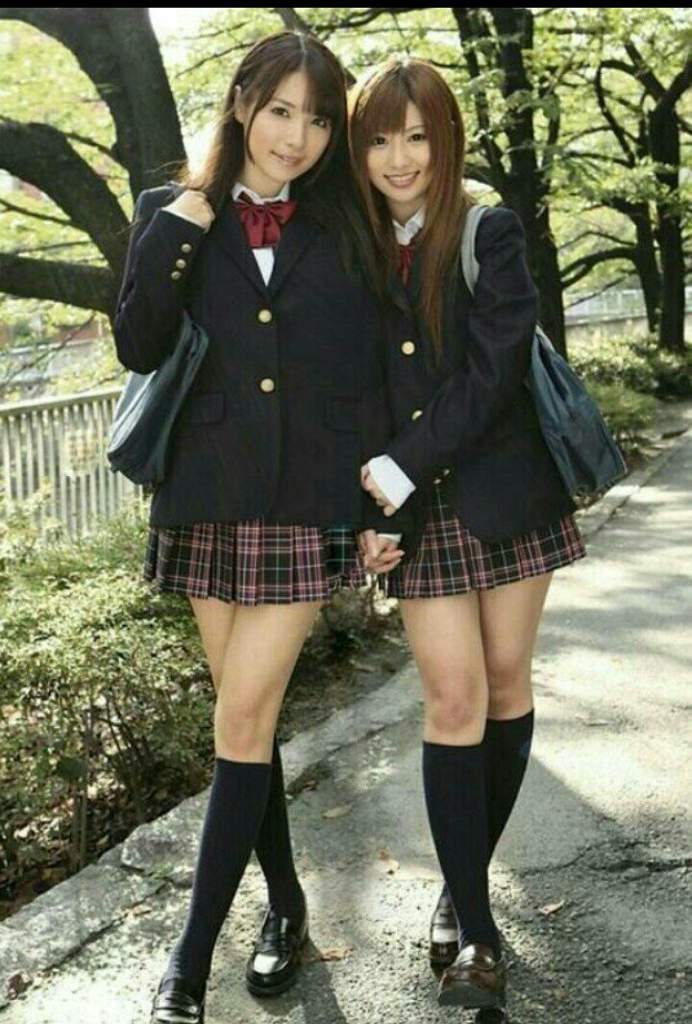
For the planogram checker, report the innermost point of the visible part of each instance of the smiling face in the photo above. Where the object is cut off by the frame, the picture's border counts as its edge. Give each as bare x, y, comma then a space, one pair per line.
286, 138
399, 165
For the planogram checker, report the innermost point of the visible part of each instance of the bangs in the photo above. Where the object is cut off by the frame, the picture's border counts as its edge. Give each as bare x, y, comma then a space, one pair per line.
383, 105
326, 84
327, 88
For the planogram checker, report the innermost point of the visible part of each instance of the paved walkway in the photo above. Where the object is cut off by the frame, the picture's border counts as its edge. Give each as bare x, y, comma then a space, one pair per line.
590, 882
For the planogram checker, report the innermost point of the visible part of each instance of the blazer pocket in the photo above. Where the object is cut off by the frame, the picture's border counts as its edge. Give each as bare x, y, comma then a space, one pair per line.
207, 407
343, 414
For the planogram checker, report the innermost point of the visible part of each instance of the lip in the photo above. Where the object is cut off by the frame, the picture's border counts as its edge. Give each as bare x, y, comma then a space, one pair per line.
289, 161
401, 180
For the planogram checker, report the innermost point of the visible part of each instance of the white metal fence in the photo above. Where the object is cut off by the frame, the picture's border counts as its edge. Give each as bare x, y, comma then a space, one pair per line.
59, 444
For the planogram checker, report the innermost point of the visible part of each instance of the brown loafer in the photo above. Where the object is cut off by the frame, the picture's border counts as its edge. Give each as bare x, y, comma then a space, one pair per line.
444, 933
476, 979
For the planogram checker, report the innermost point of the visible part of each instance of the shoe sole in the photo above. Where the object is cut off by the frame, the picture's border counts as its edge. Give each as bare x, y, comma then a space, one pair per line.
470, 997
277, 990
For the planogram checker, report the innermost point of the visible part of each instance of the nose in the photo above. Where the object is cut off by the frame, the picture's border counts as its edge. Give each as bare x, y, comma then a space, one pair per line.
297, 133
398, 156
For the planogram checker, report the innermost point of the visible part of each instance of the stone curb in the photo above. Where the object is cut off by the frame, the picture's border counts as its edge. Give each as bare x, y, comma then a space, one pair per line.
58, 923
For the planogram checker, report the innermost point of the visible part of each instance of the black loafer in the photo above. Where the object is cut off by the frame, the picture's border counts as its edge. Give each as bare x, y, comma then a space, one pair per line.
274, 963
444, 933
174, 1005
477, 979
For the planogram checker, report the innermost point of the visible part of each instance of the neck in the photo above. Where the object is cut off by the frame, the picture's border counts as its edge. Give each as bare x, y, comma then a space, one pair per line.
261, 186
403, 213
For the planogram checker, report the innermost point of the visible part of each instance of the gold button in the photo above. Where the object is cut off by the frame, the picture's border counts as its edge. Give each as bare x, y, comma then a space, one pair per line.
267, 385
186, 247
181, 263
176, 274
446, 472
416, 413
408, 348
265, 316
437, 480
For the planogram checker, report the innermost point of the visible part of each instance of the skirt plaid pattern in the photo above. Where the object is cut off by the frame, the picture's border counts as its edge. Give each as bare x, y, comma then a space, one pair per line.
450, 560
251, 563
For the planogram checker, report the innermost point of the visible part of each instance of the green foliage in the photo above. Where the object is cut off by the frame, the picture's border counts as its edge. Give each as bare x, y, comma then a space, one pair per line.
103, 688
627, 413
634, 363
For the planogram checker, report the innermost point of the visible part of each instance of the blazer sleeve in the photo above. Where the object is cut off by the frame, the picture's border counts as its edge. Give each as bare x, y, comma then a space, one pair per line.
497, 341
149, 308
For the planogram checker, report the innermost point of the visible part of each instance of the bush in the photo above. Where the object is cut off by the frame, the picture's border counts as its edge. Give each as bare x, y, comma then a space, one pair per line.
104, 691
637, 364
627, 413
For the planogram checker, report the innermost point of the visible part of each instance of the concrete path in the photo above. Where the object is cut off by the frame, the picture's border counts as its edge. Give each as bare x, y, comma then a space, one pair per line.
590, 883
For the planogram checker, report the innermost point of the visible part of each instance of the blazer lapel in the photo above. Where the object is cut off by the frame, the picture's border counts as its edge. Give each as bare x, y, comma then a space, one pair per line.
296, 235
228, 233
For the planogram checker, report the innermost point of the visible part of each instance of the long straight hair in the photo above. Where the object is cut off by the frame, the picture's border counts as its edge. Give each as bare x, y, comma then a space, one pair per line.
327, 191
378, 103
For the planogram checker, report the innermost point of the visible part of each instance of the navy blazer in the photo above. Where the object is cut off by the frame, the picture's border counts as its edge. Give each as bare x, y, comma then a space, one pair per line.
290, 399
468, 425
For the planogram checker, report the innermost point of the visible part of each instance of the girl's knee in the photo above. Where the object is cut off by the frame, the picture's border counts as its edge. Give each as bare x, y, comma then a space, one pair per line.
455, 706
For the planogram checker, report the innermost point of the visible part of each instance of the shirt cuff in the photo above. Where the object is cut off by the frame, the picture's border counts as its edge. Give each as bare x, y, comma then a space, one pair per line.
391, 480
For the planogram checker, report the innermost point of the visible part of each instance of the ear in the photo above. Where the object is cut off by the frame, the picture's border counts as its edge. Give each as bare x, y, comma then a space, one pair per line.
238, 105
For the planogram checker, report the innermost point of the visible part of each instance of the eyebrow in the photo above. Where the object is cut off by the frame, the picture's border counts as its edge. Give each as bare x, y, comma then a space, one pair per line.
414, 126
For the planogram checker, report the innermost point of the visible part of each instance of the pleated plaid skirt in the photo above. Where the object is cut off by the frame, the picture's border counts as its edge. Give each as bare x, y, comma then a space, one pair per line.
252, 563
450, 560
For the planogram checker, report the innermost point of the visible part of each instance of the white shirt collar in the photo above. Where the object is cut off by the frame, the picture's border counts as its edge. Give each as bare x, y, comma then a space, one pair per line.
239, 187
411, 227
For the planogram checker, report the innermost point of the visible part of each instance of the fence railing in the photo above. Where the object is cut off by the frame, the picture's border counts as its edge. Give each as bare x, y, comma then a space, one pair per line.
623, 304
60, 444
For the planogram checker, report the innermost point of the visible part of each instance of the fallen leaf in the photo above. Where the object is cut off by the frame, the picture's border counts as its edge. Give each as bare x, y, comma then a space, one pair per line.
337, 812
388, 862
17, 984
551, 908
335, 953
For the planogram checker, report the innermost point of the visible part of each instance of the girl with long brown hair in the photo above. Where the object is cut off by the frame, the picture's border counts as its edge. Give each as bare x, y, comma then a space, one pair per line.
255, 520
468, 459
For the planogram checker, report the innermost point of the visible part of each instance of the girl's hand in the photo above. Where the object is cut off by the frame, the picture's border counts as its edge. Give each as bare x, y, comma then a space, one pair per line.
369, 485
193, 204
379, 554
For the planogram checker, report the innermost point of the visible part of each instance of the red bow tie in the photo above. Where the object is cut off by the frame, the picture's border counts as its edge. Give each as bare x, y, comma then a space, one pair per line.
406, 254
262, 221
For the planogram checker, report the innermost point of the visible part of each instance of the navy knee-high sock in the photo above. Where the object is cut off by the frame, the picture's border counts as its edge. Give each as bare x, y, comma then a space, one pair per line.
454, 785
273, 848
235, 810
507, 744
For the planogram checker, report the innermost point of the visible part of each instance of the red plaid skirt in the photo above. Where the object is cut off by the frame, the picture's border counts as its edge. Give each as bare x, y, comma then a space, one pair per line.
450, 560
253, 563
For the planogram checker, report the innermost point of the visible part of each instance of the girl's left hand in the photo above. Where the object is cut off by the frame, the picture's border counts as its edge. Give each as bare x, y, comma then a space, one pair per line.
371, 487
379, 554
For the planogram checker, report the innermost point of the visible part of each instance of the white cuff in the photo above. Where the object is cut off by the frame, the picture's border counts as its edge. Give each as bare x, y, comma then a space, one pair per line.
391, 480
396, 537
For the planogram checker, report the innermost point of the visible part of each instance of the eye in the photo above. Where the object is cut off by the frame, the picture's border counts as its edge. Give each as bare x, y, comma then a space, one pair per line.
417, 137
322, 122
279, 110
378, 140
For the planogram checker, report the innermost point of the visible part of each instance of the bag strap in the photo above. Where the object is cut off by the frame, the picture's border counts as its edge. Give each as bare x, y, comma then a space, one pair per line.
469, 263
